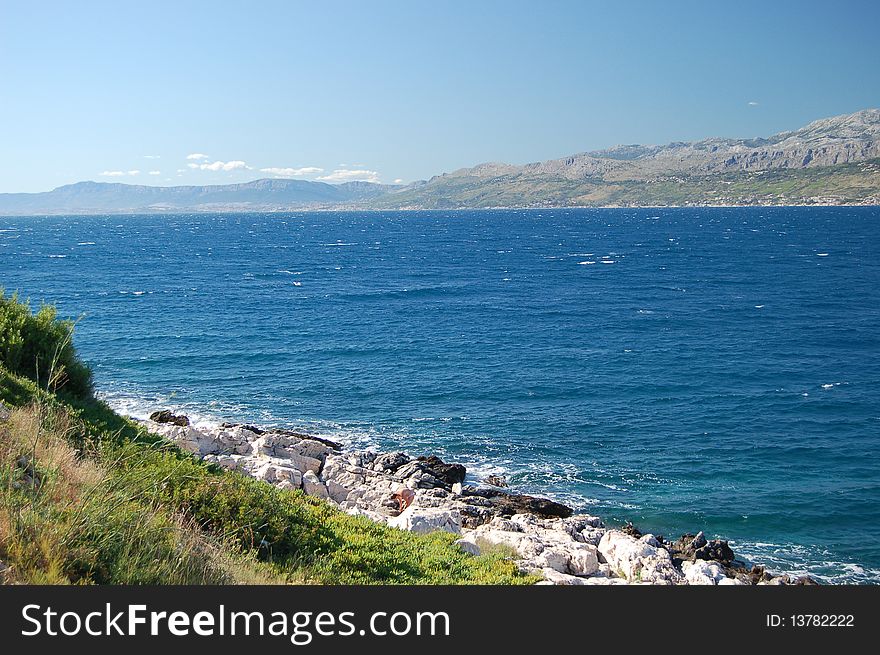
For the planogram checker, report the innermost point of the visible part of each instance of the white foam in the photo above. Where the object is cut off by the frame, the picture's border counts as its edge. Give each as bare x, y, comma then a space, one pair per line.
57, 256
586, 263
86, 243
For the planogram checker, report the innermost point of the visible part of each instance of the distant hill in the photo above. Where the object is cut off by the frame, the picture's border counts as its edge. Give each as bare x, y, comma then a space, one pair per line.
268, 195
830, 161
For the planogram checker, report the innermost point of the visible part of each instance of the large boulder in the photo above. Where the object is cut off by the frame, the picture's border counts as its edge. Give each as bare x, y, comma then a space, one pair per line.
167, 416
701, 572
390, 462
636, 560
423, 520
691, 547
313, 486
447, 474
303, 455
508, 504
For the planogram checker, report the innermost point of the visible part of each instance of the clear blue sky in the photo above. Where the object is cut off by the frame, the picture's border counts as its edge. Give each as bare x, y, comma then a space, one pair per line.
404, 90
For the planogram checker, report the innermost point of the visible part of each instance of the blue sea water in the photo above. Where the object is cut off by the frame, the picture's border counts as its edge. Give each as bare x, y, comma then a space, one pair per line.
684, 369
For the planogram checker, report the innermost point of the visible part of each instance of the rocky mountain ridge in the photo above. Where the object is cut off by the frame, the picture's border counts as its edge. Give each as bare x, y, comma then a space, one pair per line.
832, 161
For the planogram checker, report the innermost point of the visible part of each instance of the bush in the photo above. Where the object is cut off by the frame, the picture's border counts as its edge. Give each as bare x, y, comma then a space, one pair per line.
39, 346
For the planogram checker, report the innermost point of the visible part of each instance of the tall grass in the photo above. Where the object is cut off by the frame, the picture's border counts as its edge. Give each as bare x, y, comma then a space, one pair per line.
87, 496
65, 520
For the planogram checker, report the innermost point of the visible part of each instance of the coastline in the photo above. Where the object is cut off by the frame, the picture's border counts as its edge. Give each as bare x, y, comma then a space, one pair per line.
422, 494
406, 209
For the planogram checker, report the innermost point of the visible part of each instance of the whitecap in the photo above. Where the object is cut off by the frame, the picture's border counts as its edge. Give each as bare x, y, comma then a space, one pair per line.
57, 256
759, 306
585, 263
608, 261
821, 254
86, 243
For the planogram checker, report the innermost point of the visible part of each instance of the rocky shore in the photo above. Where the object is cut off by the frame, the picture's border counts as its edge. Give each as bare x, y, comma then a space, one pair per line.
424, 494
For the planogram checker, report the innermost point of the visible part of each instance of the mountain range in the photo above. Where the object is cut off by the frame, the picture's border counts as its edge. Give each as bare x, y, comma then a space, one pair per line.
830, 161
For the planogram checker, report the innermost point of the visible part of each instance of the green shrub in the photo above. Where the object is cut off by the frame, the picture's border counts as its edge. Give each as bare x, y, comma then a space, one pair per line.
39, 346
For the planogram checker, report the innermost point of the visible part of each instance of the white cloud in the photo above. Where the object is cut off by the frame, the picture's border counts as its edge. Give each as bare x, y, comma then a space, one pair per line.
752, 103
197, 156
235, 165
346, 175
119, 173
152, 156
155, 172
398, 181
292, 172
181, 170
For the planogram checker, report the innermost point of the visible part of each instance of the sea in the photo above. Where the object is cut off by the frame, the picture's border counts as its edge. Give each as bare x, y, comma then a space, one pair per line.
712, 369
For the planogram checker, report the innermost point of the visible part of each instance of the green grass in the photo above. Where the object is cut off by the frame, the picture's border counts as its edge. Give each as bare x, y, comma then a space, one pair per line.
118, 505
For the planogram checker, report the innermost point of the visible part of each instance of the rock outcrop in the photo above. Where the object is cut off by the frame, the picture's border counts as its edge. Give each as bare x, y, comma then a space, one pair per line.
426, 494
165, 416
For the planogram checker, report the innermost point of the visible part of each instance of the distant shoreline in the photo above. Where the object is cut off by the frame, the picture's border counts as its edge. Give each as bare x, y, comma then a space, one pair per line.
340, 210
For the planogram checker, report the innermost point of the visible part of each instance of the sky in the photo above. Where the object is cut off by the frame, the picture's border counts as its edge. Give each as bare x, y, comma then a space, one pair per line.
198, 92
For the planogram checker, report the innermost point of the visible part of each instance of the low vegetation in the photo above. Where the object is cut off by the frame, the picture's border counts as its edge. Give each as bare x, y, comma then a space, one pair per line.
89, 497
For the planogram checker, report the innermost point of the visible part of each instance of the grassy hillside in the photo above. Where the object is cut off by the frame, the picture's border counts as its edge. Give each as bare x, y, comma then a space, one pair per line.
89, 497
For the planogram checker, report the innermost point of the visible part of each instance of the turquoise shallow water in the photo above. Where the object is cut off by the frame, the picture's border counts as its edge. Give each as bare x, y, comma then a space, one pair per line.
685, 369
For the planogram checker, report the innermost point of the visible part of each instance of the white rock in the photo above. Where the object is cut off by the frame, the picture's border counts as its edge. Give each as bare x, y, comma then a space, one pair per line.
556, 577
336, 491
557, 559
288, 448
637, 561
526, 546
583, 559
312, 485
468, 545
288, 474
423, 520
592, 535
265, 472
651, 540
702, 572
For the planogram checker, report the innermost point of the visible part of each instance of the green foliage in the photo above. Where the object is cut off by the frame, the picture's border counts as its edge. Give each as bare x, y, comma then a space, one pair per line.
159, 515
39, 346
